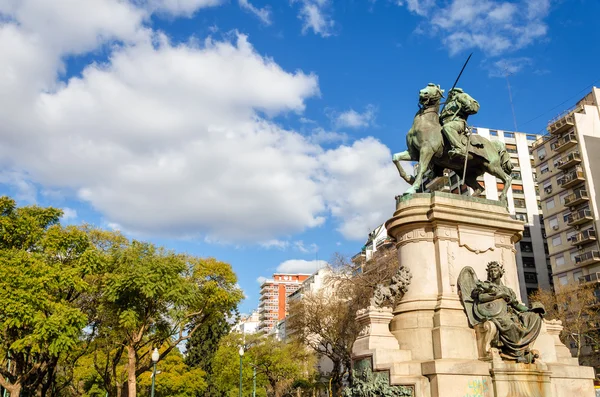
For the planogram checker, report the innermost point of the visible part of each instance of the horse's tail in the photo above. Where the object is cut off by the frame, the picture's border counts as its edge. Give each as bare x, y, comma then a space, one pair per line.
507, 165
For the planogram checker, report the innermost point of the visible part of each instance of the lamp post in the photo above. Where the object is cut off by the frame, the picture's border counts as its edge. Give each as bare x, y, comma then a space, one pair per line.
241, 353
155, 357
254, 382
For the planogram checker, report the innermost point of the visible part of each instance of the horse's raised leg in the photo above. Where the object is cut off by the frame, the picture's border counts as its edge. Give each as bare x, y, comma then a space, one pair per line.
403, 156
471, 181
425, 156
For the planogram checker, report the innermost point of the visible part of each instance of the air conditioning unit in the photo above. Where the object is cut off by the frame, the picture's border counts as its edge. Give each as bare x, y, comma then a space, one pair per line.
548, 190
555, 227
544, 235
542, 157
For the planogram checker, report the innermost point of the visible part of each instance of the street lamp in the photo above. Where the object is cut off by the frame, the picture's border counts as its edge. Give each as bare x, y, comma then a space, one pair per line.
241, 353
155, 357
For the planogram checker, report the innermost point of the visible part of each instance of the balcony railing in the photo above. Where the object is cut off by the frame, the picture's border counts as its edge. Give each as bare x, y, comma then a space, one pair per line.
584, 237
576, 198
579, 217
565, 142
569, 160
571, 179
561, 124
587, 258
590, 278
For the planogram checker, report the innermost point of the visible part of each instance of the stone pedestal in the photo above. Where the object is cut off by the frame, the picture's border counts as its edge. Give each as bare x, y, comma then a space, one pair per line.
437, 235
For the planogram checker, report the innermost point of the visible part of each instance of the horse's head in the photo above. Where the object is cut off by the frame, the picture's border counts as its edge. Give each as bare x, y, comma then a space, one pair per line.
430, 95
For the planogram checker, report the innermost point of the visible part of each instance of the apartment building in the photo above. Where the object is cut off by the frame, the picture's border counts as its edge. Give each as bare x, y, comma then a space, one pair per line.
248, 324
273, 304
567, 161
523, 203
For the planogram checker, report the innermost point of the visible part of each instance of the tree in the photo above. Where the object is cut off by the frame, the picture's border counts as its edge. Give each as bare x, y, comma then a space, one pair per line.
576, 306
175, 378
203, 344
277, 364
44, 273
326, 321
152, 297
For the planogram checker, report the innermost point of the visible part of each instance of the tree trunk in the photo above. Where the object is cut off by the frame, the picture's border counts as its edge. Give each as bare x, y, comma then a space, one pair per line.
119, 390
131, 384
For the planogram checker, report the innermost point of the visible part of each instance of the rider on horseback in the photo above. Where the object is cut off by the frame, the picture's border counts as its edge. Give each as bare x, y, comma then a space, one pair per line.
459, 107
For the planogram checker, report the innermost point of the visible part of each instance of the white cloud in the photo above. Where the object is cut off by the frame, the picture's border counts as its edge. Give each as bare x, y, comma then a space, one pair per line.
321, 136
353, 119
179, 7
264, 14
69, 214
360, 183
315, 17
306, 249
508, 66
167, 139
492, 26
300, 266
261, 279
274, 243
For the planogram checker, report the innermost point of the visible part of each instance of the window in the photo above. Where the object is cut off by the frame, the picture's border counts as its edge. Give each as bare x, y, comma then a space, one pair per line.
520, 203
566, 216
559, 260
571, 234
548, 186
556, 240
531, 137
550, 204
563, 280
541, 153
553, 223
530, 277
556, 162
544, 168
577, 275
517, 189
516, 175
521, 217
526, 232
509, 135
493, 133
474, 130
528, 262
526, 246
562, 197
511, 148
573, 255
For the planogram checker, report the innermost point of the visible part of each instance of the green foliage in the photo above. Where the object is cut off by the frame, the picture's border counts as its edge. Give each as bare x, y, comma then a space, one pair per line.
44, 272
174, 378
278, 365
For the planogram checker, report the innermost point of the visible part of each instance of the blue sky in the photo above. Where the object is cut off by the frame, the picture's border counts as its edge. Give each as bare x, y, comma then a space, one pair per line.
260, 132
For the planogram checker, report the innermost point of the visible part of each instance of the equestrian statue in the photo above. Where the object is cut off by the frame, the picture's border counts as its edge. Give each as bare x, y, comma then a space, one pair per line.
443, 140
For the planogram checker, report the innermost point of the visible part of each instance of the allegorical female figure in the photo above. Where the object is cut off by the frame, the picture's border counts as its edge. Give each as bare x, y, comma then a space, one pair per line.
517, 325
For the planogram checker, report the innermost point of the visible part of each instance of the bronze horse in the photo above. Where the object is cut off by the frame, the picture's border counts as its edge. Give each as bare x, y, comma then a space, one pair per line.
425, 144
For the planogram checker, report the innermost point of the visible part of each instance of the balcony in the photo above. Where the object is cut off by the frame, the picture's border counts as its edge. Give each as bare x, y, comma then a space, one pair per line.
571, 179
562, 124
587, 236
569, 160
576, 198
587, 258
579, 217
590, 278
565, 142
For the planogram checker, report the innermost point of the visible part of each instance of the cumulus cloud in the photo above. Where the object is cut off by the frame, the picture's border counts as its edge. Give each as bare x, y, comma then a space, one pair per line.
261, 279
492, 26
314, 16
69, 214
174, 139
353, 119
274, 243
508, 66
301, 266
360, 184
264, 14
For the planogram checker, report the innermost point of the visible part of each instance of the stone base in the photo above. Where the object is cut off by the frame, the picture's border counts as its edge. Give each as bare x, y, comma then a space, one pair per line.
431, 346
520, 380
